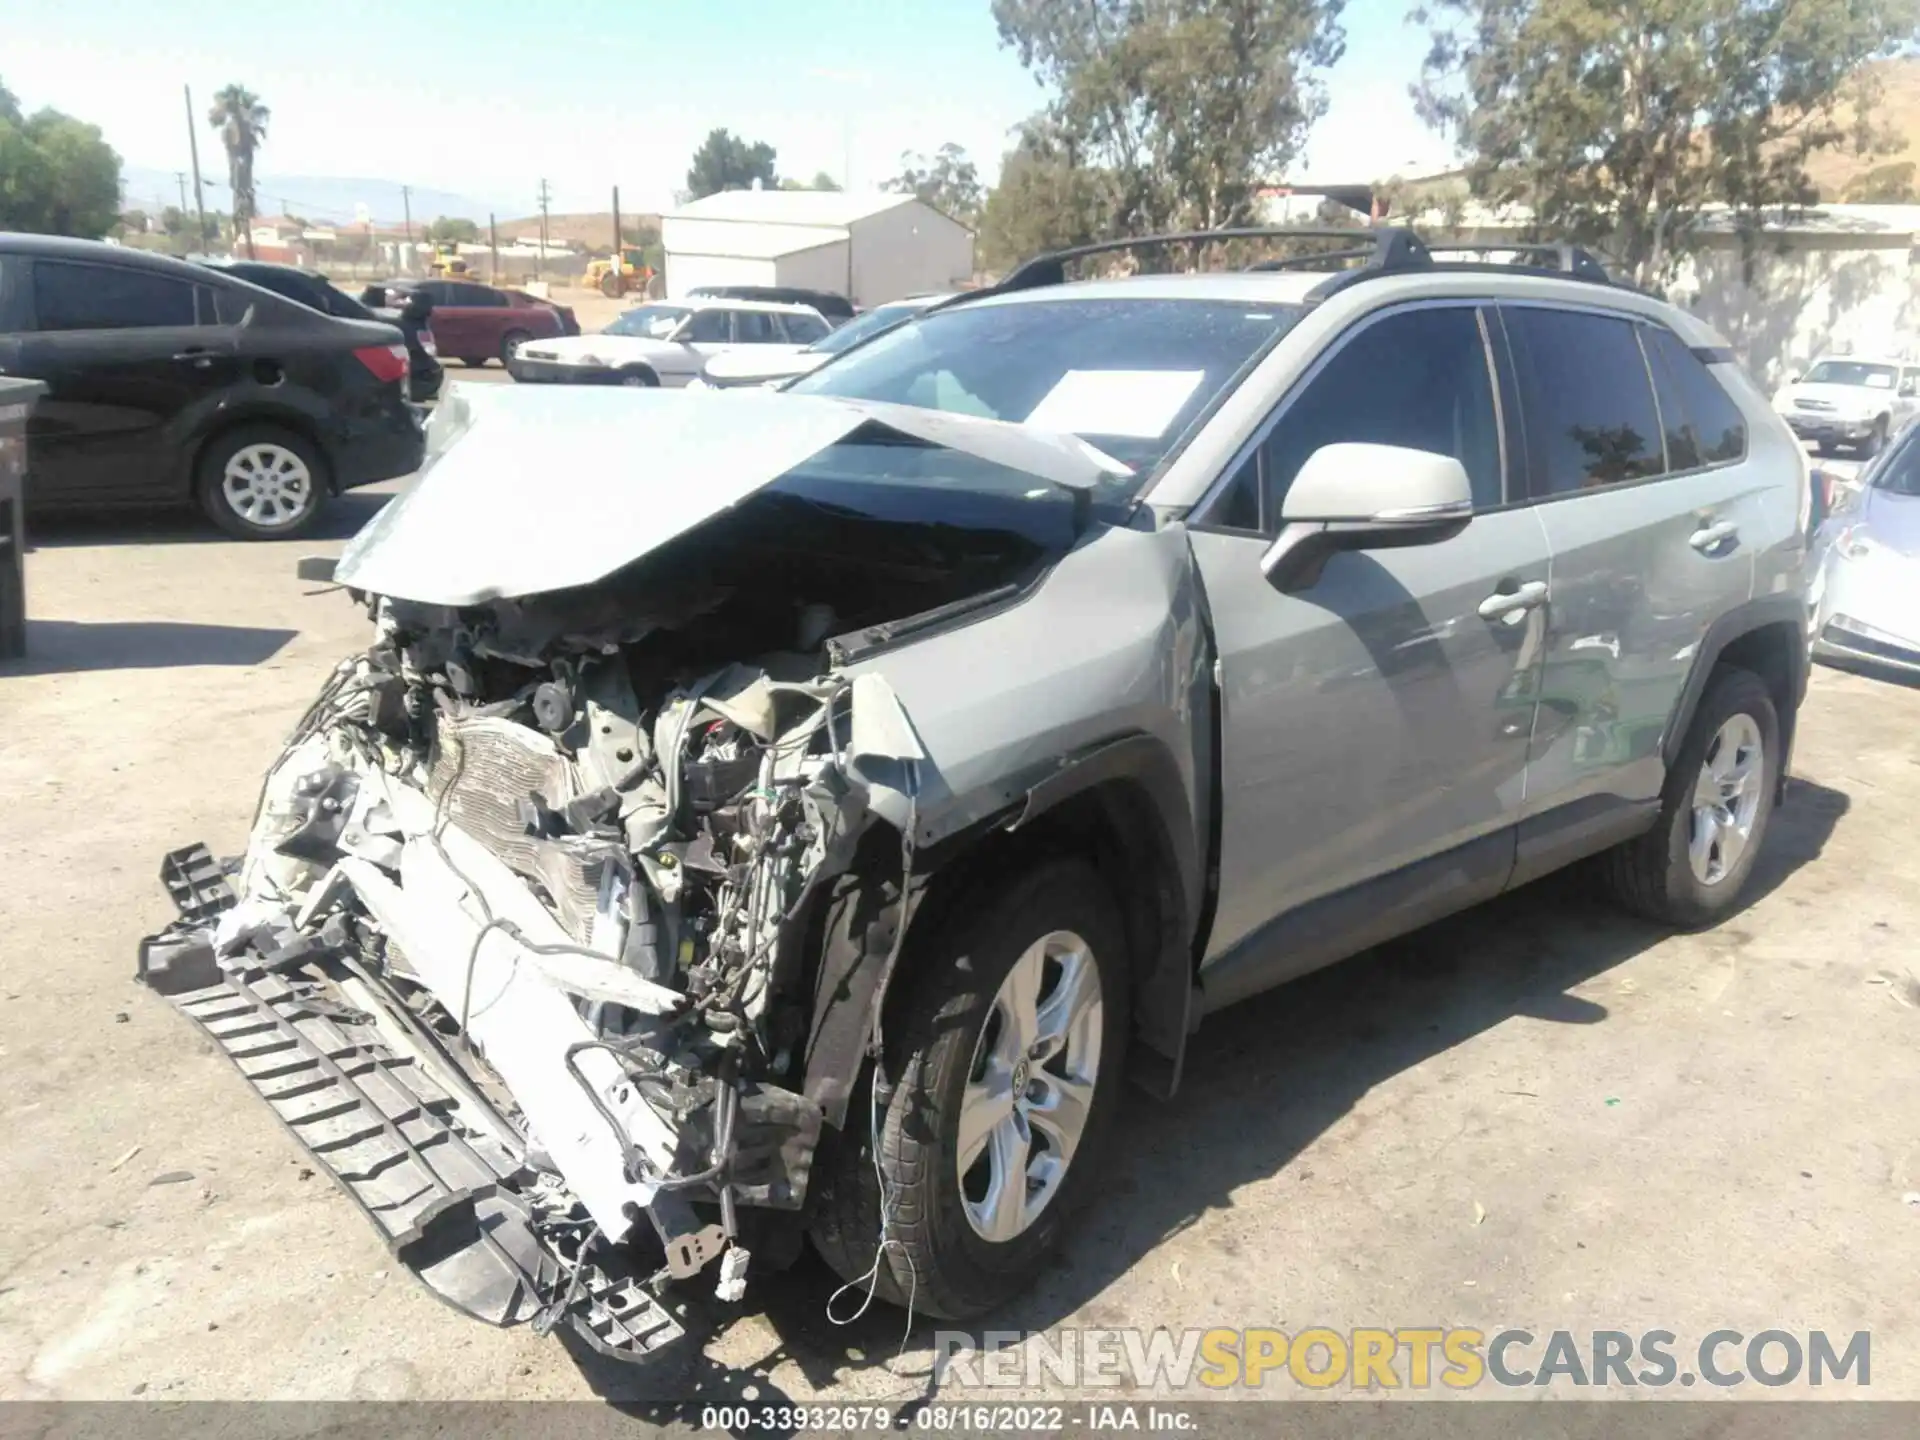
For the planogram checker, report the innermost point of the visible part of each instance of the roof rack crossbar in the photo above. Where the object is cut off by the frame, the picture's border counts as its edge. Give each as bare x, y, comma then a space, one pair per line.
1544, 255
1390, 246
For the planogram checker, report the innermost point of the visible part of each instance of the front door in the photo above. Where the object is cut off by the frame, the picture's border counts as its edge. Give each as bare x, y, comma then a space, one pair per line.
1381, 716
121, 356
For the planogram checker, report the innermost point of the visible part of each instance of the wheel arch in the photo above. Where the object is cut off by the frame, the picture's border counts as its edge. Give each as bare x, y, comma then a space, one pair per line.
1767, 636
1121, 805
289, 420
638, 367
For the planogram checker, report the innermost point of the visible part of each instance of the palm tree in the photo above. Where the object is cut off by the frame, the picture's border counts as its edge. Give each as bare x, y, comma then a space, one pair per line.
241, 119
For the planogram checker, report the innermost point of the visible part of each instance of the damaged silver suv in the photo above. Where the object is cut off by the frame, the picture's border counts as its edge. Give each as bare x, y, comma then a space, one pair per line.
780, 814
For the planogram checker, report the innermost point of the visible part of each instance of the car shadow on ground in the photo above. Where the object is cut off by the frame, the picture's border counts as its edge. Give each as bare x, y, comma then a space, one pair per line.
1263, 1081
70, 646
340, 519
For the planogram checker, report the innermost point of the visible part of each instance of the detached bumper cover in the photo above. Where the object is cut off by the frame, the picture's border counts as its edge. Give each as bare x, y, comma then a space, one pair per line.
437, 1171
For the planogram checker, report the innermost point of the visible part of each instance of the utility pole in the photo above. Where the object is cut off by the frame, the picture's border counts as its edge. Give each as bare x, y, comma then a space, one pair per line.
193, 149
546, 195
540, 265
406, 210
619, 241
493, 244
181, 176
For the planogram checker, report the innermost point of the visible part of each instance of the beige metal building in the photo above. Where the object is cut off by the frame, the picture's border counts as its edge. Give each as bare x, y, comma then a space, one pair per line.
870, 247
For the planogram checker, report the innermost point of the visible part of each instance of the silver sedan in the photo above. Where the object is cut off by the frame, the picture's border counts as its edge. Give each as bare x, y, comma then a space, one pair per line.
1864, 595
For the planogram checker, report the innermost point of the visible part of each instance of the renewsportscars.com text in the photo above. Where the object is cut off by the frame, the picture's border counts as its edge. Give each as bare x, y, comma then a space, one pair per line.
1417, 1358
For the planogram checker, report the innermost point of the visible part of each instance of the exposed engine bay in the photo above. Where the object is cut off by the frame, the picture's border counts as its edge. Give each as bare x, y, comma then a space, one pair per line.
517, 946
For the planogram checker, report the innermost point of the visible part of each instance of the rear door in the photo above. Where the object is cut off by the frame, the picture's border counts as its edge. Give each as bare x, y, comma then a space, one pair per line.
1380, 717
463, 328
706, 333
1636, 462
123, 352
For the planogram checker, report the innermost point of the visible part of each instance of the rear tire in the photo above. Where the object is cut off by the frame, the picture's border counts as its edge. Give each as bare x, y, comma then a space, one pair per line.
261, 482
966, 1240
610, 286
1689, 869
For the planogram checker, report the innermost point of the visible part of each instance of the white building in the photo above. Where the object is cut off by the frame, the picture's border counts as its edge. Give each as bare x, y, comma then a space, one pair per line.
1830, 279
869, 247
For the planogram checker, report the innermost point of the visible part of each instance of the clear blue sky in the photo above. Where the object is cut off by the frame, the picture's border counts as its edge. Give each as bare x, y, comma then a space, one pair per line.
484, 97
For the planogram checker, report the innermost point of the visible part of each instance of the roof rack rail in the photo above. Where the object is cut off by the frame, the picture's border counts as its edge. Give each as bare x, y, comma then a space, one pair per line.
1388, 246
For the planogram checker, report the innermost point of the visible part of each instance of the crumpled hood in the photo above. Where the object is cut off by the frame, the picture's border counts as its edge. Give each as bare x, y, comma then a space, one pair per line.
532, 490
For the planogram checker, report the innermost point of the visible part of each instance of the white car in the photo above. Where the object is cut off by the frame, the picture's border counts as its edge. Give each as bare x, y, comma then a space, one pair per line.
1851, 400
666, 342
763, 366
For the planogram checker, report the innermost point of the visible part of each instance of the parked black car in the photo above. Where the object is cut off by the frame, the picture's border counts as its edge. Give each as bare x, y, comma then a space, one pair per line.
316, 292
168, 381
835, 309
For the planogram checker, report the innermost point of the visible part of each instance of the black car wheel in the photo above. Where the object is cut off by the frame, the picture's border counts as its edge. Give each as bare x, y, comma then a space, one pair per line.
511, 342
1876, 442
640, 376
1008, 1045
474, 362
261, 482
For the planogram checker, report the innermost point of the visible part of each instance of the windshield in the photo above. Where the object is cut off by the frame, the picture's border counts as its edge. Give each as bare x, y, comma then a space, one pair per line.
1127, 375
649, 322
862, 327
1852, 372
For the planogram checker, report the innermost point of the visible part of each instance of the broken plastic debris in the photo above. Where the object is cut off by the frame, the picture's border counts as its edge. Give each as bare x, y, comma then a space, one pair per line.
123, 1159
1479, 1212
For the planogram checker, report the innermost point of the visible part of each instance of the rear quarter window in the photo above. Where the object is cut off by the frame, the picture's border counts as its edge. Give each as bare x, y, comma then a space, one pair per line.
1703, 425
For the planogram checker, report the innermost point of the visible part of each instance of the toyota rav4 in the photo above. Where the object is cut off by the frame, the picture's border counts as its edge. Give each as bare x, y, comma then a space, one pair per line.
789, 814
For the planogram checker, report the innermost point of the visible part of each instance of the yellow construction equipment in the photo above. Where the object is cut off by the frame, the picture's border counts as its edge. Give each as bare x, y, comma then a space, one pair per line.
447, 261
625, 273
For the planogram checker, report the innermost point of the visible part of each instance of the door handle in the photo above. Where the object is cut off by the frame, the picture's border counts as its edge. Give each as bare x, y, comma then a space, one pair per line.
199, 359
1712, 537
1505, 604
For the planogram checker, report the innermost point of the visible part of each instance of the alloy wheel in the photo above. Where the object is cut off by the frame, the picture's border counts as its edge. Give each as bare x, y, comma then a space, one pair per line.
1030, 1088
1726, 799
267, 485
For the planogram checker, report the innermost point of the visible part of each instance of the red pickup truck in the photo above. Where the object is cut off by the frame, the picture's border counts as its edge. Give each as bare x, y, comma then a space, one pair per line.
474, 323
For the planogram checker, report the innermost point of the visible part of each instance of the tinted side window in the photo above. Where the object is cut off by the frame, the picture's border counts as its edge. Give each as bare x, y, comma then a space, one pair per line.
709, 327
1703, 425
13, 294
803, 329
754, 327
1418, 379
1589, 405
475, 295
67, 296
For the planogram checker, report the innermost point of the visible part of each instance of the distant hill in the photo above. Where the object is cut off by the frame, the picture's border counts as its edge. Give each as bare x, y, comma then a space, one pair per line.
593, 231
1897, 112
323, 199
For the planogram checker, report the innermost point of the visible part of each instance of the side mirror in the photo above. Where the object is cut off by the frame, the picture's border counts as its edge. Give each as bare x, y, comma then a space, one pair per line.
1908, 390
682, 335
1365, 497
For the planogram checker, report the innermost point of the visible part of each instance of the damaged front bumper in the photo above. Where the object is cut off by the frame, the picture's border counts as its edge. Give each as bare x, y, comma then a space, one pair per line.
515, 989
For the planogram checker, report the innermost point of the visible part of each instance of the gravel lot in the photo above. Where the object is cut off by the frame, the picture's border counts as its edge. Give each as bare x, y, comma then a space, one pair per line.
1537, 1114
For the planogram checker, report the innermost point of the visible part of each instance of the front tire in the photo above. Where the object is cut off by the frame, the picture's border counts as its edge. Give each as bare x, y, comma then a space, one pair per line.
511, 342
1689, 869
261, 482
640, 377
1876, 442
1009, 1044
